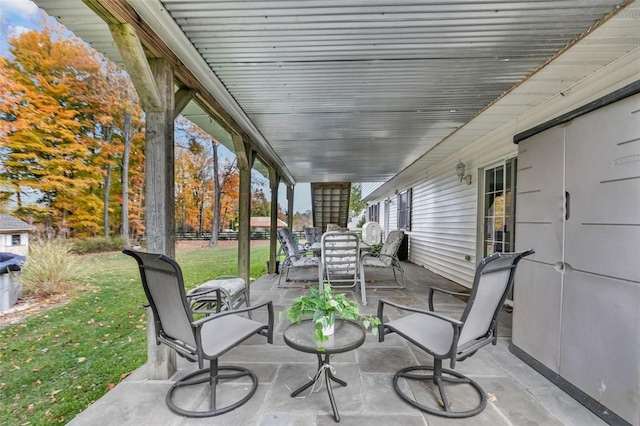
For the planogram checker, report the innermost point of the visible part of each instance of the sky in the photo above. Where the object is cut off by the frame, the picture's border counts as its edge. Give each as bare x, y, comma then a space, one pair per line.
17, 16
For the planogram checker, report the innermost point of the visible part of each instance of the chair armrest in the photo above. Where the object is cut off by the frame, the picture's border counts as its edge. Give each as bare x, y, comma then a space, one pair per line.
284, 263
394, 258
212, 317
456, 323
432, 290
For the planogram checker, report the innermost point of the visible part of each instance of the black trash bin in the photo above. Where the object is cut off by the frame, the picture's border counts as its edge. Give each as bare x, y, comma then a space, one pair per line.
277, 266
403, 250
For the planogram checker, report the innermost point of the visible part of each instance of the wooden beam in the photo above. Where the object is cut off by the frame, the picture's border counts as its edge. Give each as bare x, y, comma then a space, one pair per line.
274, 183
290, 194
128, 43
183, 96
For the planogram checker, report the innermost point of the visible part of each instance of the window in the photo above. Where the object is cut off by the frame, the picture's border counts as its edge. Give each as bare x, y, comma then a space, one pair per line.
404, 210
499, 208
374, 212
15, 239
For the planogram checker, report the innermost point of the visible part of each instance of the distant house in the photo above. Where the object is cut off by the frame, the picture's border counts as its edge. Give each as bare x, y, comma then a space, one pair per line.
265, 222
14, 235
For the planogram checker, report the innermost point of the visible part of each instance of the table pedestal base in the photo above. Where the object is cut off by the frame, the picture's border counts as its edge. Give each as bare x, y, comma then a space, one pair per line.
324, 365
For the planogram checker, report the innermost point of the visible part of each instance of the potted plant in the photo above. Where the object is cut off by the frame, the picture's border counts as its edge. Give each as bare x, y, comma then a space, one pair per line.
324, 307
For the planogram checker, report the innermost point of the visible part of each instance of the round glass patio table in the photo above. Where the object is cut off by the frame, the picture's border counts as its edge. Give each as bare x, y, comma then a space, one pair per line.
348, 335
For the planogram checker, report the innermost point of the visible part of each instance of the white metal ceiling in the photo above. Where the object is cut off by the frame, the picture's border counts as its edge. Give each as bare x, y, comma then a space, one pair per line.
347, 90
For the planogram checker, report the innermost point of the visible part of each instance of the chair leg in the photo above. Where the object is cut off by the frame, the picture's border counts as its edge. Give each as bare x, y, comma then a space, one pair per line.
363, 290
246, 302
439, 377
212, 375
401, 276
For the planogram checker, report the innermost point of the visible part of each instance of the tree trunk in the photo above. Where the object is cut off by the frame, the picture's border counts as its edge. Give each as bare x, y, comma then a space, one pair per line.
108, 136
217, 195
128, 134
201, 216
105, 208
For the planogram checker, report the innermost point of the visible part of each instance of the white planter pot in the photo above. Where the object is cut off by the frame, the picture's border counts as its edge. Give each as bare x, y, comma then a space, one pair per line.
328, 331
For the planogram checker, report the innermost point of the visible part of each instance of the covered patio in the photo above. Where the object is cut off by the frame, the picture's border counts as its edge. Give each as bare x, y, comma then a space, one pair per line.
517, 393
401, 97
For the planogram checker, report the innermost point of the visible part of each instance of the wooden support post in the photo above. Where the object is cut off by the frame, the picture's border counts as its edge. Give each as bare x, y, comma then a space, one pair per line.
274, 183
245, 157
159, 201
290, 194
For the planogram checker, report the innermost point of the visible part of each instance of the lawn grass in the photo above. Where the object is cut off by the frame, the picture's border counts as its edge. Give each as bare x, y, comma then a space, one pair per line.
54, 365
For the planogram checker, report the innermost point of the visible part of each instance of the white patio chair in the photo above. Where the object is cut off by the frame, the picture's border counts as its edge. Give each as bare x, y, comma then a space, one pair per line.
341, 260
294, 257
386, 259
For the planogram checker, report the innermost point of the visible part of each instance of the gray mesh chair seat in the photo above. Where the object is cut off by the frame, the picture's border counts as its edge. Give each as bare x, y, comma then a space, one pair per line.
295, 258
387, 258
443, 337
204, 298
198, 340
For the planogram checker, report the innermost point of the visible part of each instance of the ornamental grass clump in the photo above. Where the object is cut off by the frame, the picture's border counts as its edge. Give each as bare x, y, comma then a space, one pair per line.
51, 268
324, 307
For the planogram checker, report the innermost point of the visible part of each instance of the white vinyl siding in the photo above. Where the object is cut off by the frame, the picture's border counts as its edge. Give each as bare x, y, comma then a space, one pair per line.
443, 227
445, 212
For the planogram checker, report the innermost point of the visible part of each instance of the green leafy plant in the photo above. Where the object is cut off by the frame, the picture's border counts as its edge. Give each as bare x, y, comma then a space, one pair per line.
324, 307
375, 248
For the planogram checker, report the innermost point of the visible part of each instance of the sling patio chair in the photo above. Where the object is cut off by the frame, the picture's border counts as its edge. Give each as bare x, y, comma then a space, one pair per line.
201, 340
225, 292
386, 258
312, 234
294, 257
340, 260
455, 339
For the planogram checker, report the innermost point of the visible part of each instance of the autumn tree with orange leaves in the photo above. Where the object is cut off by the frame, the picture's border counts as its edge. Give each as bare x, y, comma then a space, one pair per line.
72, 146
206, 188
62, 127
48, 147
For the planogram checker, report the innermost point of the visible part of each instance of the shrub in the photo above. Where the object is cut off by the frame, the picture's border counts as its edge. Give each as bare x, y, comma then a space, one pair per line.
97, 245
51, 268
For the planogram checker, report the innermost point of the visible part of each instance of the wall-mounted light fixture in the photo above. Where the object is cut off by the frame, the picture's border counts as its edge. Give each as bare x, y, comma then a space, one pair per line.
460, 167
